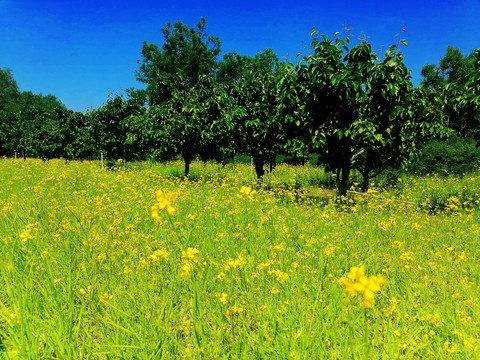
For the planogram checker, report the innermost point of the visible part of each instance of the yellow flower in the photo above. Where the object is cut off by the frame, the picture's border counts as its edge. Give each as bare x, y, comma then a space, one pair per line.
280, 275
25, 235
357, 283
247, 191
158, 255
191, 254
187, 268
164, 201
223, 297
234, 311
356, 273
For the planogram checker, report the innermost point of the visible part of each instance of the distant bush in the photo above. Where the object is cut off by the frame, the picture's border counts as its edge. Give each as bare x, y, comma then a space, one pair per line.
453, 156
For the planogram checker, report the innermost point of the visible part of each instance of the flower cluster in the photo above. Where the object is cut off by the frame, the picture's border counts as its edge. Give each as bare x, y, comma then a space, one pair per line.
357, 283
164, 201
247, 191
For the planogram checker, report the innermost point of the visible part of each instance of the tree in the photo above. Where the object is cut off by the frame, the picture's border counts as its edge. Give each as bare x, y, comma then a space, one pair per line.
78, 137
351, 107
392, 118
31, 127
9, 92
465, 101
234, 66
190, 124
448, 86
252, 83
109, 125
257, 129
454, 68
187, 52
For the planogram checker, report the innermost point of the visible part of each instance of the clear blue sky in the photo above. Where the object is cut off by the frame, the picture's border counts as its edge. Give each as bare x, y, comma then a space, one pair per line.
83, 50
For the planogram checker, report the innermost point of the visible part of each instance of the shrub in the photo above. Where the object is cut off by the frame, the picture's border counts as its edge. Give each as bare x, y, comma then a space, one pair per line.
453, 156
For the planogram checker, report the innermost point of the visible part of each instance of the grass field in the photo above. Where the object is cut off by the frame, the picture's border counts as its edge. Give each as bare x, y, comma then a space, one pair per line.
234, 270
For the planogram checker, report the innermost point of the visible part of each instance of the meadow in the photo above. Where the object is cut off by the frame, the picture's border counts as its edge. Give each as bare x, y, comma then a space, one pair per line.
224, 268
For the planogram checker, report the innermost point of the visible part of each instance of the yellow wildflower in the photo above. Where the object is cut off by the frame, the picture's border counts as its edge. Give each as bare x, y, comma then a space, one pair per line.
223, 297
234, 311
357, 283
158, 255
164, 201
187, 268
280, 275
26, 235
247, 191
191, 253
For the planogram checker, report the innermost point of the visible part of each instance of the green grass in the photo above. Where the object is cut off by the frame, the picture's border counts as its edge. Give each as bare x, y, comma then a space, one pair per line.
86, 273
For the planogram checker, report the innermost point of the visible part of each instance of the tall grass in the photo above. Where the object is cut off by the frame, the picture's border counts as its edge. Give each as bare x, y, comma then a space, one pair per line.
86, 272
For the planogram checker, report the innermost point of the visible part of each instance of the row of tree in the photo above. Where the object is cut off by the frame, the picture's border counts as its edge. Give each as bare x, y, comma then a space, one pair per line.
356, 110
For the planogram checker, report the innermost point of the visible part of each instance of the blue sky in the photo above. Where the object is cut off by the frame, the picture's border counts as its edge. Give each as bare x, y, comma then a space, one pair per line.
83, 51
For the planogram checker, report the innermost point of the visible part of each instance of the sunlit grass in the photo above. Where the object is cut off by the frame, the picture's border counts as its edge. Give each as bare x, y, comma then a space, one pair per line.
88, 273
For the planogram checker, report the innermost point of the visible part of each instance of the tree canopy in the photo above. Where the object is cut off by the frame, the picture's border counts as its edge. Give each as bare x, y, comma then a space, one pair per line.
454, 68
355, 109
187, 52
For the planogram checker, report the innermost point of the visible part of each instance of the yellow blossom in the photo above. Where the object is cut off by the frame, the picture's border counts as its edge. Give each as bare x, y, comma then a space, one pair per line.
357, 283
158, 255
191, 254
247, 191
26, 235
234, 311
164, 201
280, 275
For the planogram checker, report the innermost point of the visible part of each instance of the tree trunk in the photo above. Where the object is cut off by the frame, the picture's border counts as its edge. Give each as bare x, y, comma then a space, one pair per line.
365, 180
187, 165
258, 161
343, 175
273, 163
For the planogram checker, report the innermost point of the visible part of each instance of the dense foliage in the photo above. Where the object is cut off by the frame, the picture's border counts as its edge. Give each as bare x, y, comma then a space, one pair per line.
353, 109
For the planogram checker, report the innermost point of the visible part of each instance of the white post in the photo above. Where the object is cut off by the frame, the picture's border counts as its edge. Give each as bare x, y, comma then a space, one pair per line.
15, 154
251, 166
101, 157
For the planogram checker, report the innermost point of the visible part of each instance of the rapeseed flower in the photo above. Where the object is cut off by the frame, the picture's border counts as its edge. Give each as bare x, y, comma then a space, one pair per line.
164, 201
26, 235
247, 191
356, 283
191, 254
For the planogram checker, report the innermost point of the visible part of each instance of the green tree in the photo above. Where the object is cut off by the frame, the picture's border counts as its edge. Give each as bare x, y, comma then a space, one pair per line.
190, 124
9, 92
234, 66
449, 97
257, 127
78, 137
393, 117
252, 84
454, 68
351, 107
464, 102
31, 128
187, 52
110, 129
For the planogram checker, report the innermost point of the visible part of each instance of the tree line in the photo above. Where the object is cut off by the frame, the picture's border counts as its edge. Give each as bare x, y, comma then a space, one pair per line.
355, 109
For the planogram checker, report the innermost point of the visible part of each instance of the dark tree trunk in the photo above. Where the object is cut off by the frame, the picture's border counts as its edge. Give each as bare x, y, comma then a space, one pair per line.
258, 162
187, 165
343, 175
365, 180
273, 163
